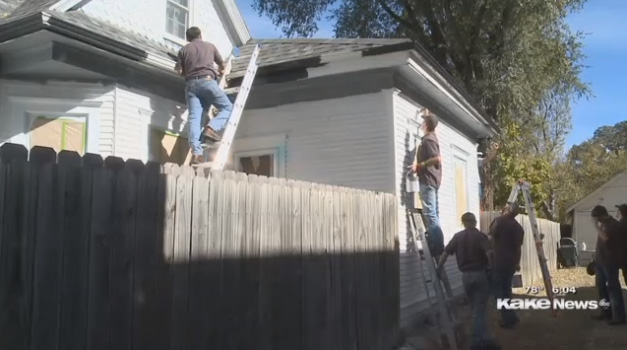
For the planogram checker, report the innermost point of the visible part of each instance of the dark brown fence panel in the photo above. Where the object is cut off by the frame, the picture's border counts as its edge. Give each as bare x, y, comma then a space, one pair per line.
116, 254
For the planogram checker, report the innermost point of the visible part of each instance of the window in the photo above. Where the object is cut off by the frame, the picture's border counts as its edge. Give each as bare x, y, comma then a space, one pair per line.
177, 19
166, 147
461, 190
263, 163
59, 133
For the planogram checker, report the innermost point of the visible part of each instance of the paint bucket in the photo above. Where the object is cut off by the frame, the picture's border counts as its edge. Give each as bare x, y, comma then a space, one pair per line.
411, 183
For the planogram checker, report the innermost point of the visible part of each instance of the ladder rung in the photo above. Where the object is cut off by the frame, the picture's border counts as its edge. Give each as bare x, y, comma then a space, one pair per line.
203, 165
210, 145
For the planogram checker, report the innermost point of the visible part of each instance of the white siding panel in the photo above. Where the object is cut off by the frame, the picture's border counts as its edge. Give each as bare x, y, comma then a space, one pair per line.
136, 111
148, 18
13, 125
452, 142
344, 142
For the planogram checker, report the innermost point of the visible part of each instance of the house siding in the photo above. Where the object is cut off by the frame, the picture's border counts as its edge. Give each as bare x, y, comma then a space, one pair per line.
138, 111
452, 143
343, 142
148, 18
14, 125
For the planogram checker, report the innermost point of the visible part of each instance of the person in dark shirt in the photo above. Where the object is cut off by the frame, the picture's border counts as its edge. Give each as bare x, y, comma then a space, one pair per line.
196, 63
610, 257
428, 166
507, 237
473, 252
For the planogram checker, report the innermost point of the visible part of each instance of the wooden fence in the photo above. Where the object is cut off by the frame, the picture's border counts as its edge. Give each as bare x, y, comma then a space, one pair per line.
529, 265
119, 255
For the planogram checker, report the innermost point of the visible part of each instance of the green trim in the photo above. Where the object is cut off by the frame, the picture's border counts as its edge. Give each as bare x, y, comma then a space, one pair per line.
63, 134
84, 145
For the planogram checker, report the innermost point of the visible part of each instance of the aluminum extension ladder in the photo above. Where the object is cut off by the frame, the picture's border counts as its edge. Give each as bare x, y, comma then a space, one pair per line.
525, 188
224, 146
450, 329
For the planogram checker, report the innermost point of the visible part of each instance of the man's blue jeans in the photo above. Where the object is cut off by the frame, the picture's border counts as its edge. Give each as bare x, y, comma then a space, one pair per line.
601, 283
431, 211
201, 94
502, 286
614, 290
477, 288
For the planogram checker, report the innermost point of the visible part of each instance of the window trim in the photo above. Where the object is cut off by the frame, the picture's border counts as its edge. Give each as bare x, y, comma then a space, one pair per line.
173, 37
461, 157
256, 153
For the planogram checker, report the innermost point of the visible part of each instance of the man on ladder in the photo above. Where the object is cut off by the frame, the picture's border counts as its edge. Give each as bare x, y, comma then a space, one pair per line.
474, 254
428, 166
195, 62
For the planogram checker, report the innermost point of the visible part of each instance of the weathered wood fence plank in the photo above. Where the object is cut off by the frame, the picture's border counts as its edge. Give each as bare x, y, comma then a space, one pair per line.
182, 235
99, 319
76, 238
124, 213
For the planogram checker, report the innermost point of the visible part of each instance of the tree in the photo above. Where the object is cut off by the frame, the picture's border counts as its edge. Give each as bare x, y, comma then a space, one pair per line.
518, 58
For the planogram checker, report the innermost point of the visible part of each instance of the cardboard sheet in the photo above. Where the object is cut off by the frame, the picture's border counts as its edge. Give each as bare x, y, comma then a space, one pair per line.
167, 148
47, 132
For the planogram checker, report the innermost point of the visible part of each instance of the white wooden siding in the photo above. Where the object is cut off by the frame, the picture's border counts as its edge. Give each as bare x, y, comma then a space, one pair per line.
344, 141
452, 142
138, 111
148, 18
54, 95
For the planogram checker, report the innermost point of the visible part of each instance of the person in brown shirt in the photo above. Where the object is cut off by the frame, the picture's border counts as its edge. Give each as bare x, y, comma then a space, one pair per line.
473, 251
196, 62
428, 167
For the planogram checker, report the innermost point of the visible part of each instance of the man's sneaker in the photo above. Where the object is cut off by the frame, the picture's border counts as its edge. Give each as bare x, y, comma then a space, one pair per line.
211, 135
197, 160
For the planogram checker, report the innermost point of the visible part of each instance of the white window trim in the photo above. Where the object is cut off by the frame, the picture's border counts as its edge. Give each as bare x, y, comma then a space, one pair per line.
262, 152
25, 109
462, 156
266, 143
190, 23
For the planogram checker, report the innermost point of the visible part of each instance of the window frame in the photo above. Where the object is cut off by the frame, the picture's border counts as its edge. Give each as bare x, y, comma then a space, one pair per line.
172, 36
274, 152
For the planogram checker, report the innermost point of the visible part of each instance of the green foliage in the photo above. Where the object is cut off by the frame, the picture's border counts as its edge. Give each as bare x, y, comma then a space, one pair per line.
518, 58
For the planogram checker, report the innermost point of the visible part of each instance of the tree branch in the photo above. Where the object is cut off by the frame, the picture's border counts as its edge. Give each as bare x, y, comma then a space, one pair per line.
396, 17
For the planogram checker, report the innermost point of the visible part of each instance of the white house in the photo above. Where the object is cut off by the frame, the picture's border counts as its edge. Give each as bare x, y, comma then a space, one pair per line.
609, 195
96, 76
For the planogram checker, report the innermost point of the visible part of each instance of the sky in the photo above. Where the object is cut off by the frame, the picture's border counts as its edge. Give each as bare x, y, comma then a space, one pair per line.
606, 54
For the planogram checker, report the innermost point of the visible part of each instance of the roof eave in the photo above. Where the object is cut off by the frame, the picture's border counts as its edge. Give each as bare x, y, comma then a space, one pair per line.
16, 28
420, 55
236, 25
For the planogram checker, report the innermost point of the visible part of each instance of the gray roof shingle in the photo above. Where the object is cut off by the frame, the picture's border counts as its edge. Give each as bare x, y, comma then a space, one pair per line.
275, 51
15, 9
82, 20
